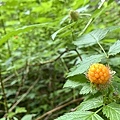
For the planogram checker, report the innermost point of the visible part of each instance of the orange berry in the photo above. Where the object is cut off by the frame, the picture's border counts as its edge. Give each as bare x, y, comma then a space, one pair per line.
98, 74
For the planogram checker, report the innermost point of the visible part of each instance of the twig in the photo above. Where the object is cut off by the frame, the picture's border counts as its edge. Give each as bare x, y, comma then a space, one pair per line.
78, 54
59, 107
4, 94
50, 61
23, 78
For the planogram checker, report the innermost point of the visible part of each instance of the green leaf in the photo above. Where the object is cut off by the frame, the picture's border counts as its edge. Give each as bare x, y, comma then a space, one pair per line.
20, 110
28, 117
91, 104
87, 88
20, 30
14, 118
91, 38
84, 65
112, 111
75, 81
115, 48
11, 114
61, 29
80, 115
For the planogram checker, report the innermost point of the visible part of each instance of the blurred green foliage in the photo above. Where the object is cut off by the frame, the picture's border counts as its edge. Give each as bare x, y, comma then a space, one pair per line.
37, 51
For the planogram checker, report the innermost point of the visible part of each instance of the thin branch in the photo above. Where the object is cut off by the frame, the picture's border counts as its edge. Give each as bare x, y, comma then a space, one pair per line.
78, 54
4, 94
50, 61
23, 78
58, 108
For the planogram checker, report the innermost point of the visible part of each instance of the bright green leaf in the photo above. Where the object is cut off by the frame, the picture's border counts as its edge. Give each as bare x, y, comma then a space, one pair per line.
28, 117
112, 111
84, 65
20, 110
11, 114
91, 103
80, 115
75, 81
115, 48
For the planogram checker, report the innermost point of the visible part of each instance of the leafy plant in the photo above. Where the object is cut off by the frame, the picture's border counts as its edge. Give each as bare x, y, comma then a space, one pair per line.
47, 45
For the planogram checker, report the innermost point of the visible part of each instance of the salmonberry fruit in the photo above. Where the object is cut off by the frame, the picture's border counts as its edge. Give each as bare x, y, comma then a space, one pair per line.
99, 74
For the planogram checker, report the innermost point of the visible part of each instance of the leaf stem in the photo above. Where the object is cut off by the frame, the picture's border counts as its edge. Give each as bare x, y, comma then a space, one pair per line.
89, 22
103, 49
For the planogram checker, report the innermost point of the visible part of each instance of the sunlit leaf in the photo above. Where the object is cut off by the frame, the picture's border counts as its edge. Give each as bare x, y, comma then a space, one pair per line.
20, 110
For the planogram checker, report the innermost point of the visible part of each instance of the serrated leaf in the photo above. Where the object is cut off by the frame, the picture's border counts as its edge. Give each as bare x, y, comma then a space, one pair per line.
84, 65
115, 48
112, 111
75, 81
87, 88
61, 29
20, 30
80, 115
94, 36
91, 38
91, 104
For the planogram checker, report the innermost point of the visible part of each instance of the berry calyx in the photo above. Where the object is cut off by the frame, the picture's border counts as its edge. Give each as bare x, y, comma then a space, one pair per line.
74, 15
99, 74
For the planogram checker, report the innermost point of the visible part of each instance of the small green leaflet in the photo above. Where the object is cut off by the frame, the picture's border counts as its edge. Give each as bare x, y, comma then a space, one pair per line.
115, 48
84, 65
80, 115
20, 110
91, 104
75, 81
28, 117
91, 38
112, 111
